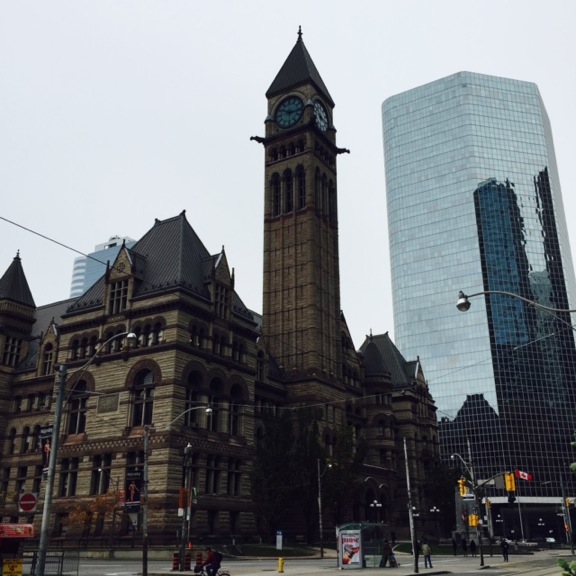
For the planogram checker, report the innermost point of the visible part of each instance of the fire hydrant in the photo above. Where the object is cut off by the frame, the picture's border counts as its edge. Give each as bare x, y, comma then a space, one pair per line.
280, 565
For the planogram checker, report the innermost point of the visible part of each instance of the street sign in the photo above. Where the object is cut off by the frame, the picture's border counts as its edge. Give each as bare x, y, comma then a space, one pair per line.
27, 502
468, 497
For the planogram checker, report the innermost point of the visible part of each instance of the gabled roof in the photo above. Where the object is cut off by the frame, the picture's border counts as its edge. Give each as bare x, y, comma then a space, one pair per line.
14, 286
297, 70
169, 256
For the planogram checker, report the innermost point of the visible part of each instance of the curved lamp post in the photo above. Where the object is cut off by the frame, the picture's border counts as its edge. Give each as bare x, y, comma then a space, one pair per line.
463, 302
320, 520
468, 467
48, 494
144, 501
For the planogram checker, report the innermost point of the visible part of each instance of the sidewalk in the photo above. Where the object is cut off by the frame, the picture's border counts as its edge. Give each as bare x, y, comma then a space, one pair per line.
442, 564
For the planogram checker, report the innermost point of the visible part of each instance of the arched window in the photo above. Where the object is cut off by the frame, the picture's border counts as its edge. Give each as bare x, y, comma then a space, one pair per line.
143, 398
235, 411
318, 191
78, 408
25, 446
276, 194
301, 187
12, 441
48, 360
74, 349
193, 387
288, 192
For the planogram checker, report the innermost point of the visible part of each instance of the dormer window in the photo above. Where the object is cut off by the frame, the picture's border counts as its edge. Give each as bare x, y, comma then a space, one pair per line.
118, 297
221, 300
12, 351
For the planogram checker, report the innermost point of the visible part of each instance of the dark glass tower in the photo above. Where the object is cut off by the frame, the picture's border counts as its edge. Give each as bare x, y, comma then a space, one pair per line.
474, 204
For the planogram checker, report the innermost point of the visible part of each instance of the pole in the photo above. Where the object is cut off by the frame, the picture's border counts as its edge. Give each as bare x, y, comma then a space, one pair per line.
145, 503
185, 507
477, 504
111, 552
320, 522
410, 511
568, 519
47, 510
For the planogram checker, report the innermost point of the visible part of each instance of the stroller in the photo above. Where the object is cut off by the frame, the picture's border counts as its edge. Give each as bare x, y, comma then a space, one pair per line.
393, 561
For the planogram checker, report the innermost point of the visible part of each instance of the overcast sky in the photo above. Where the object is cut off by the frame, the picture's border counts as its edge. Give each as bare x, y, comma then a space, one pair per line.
117, 112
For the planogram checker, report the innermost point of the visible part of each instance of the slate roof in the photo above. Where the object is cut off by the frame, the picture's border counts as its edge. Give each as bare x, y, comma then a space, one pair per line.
169, 256
381, 356
14, 286
44, 315
297, 70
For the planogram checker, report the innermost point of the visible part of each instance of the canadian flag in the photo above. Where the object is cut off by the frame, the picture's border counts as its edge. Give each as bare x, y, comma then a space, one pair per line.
522, 475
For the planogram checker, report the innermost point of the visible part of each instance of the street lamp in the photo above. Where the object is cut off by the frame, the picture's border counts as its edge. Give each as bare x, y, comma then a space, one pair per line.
463, 302
411, 510
376, 506
468, 467
47, 509
144, 498
113, 532
320, 523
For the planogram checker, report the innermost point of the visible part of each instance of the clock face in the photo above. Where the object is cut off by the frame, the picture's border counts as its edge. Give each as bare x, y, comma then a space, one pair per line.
321, 115
289, 112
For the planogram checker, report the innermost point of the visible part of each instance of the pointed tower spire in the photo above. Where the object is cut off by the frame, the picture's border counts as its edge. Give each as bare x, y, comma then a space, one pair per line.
14, 286
298, 69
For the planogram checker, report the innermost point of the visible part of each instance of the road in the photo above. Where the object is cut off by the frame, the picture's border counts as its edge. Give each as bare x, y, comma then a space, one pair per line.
540, 564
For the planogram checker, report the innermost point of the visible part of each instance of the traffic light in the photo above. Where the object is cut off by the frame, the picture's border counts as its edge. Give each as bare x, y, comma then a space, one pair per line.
568, 503
488, 503
462, 487
510, 482
473, 520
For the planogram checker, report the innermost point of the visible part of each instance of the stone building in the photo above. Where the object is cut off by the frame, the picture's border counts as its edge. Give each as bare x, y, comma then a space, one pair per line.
131, 408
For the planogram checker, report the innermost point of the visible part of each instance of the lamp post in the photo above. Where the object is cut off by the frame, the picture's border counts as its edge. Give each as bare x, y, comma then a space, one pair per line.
376, 506
59, 406
185, 504
320, 520
463, 302
111, 551
470, 469
144, 496
411, 511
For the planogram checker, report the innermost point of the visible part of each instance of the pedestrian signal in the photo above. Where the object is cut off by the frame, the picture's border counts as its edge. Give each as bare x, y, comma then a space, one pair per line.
462, 487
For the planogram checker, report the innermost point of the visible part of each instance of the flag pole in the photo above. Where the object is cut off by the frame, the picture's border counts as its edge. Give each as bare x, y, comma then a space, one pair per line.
519, 507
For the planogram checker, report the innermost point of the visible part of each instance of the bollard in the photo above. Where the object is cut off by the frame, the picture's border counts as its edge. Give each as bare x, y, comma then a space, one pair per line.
187, 560
280, 565
176, 561
198, 558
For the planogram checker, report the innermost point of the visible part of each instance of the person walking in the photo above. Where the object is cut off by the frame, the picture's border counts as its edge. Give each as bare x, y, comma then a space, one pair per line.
427, 553
464, 547
473, 548
504, 546
386, 554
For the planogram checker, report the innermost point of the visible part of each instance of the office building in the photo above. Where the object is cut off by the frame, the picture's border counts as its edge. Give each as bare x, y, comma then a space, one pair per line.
87, 269
474, 204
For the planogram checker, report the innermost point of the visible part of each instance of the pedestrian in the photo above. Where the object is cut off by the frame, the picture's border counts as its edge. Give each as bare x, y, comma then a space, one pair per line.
427, 553
386, 554
473, 548
454, 546
504, 546
464, 547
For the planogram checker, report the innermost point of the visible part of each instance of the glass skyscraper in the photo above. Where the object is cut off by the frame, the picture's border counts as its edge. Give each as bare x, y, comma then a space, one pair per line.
474, 204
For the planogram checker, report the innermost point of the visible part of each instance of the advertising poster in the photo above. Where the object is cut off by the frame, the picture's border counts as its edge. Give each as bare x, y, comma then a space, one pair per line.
132, 490
350, 549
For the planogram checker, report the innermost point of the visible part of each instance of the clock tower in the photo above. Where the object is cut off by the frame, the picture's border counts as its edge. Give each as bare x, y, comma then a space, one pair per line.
302, 322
